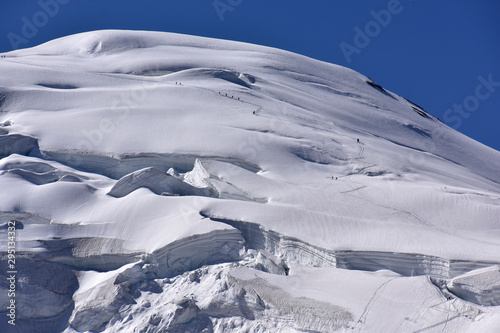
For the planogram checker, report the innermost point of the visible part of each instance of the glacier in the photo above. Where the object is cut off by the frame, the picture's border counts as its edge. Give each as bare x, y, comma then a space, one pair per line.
162, 182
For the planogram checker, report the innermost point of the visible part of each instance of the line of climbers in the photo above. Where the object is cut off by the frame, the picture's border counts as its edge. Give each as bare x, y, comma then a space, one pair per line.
226, 95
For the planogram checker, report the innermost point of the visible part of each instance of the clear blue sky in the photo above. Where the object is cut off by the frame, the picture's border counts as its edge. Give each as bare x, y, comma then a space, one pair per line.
439, 54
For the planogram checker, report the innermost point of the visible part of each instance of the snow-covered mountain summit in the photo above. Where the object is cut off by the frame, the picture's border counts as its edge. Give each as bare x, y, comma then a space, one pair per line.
163, 182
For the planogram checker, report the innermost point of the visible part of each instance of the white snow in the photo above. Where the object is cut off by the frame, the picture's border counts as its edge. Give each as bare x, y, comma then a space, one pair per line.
178, 183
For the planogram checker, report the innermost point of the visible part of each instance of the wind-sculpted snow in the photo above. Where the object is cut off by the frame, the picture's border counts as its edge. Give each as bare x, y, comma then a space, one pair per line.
121, 165
169, 183
294, 250
157, 181
480, 286
16, 144
42, 178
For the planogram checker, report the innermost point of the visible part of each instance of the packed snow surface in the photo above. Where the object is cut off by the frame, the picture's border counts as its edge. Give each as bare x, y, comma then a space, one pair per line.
170, 183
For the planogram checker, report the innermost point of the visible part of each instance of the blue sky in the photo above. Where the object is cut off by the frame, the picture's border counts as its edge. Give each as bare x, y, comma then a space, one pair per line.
442, 55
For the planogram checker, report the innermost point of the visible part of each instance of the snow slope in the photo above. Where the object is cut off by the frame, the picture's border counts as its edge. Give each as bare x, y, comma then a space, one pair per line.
164, 182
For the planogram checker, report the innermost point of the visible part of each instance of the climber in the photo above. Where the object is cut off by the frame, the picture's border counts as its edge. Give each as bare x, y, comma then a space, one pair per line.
357, 140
